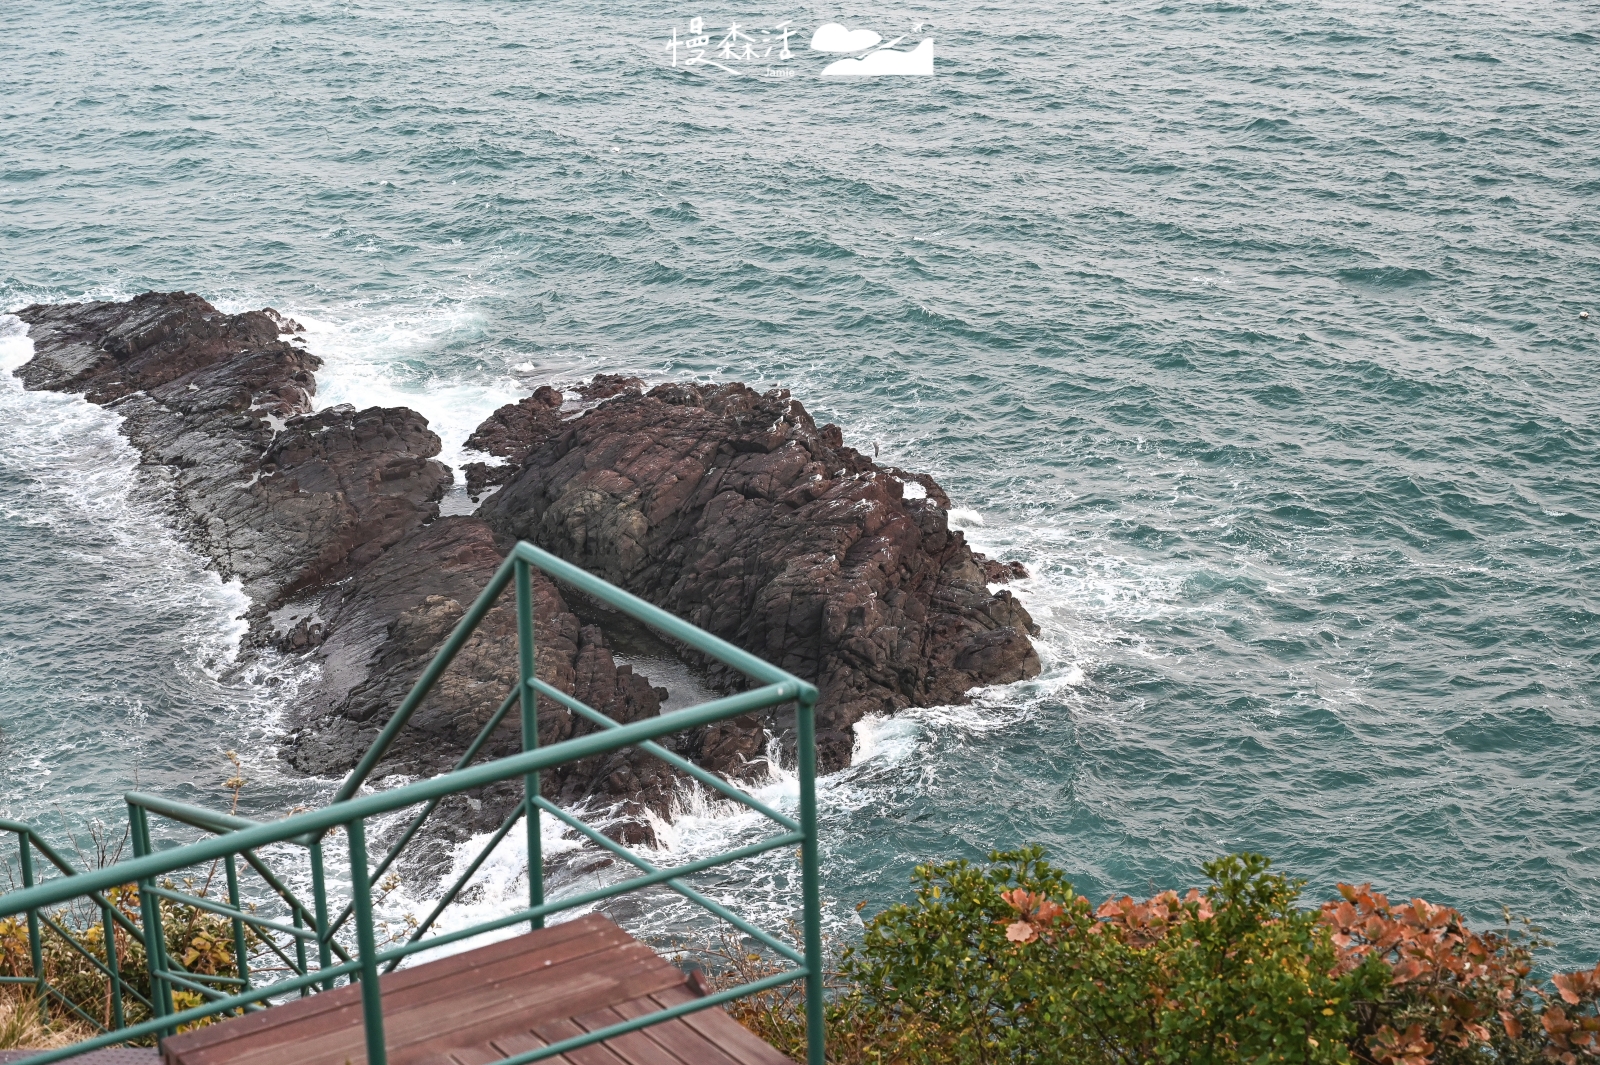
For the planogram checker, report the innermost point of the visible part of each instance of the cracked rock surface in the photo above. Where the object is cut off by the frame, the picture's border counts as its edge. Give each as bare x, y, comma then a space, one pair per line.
734, 510
728, 507
330, 521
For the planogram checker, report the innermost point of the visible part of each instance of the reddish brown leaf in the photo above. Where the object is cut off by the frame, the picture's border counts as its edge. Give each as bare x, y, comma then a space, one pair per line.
1021, 932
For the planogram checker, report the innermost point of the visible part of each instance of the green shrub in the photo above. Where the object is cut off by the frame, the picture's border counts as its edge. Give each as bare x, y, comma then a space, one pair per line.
202, 942
1003, 964
1010, 965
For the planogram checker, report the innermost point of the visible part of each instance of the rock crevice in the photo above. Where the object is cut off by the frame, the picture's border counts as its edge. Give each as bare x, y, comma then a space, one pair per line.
736, 511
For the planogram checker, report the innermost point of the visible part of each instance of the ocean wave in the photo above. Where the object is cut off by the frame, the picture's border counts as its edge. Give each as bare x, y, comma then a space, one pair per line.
128, 637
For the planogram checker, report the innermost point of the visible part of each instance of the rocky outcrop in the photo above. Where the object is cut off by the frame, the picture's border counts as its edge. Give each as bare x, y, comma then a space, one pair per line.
505, 434
728, 507
331, 522
386, 624
736, 511
220, 406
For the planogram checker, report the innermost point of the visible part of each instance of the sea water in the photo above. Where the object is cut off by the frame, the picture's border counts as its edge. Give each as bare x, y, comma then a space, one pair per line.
1252, 329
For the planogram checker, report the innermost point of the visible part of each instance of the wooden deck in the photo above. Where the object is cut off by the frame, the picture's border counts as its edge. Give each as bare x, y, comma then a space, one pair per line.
490, 1003
109, 1056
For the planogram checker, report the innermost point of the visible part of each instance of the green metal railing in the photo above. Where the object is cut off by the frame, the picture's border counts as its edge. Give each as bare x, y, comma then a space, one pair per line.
287, 932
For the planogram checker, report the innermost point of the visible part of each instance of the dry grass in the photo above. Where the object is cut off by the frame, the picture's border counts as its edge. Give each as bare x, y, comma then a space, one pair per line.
854, 1035
21, 1027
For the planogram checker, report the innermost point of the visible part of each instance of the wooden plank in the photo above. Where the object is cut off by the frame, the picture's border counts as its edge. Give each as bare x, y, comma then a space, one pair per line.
520, 1043
684, 1042
555, 1031
187, 1049
484, 1055
439, 1019
636, 1048
487, 1004
592, 991
339, 1011
468, 1011
729, 1035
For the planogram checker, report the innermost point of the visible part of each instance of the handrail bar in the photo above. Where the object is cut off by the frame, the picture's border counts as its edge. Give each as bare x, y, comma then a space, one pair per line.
40, 844
648, 613
228, 911
651, 615
214, 821
710, 779
198, 816
193, 1013
43, 846
342, 813
454, 891
444, 939
710, 905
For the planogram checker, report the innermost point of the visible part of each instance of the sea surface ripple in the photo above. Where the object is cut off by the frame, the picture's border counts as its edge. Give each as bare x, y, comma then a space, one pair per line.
1251, 328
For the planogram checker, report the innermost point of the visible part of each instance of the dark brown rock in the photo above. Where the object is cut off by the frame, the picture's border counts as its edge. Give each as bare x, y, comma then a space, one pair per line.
109, 350
218, 405
510, 431
387, 622
734, 510
996, 572
331, 522
605, 385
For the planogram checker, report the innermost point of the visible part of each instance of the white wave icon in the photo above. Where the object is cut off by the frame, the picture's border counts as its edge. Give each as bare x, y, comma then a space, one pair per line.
832, 37
885, 61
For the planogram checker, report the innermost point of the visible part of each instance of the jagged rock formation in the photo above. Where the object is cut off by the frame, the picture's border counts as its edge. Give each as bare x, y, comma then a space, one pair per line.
330, 520
728, 507
275, 496
734, 510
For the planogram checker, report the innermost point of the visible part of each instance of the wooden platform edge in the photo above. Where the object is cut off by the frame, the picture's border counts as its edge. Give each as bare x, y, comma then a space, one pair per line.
469, 1006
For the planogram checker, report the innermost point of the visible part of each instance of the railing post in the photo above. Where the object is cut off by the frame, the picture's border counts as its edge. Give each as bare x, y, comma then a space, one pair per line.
114, 963
241, 957
300, 951
319, 899
530, 735
35, 943
155, 940
810, 878
366, 944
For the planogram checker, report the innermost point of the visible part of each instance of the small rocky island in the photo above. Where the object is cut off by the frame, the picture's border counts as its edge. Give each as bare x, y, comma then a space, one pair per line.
729, 507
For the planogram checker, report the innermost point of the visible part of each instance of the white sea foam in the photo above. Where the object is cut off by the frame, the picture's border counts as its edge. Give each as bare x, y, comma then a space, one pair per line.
887, 739
83, 481
499, 887
382, 356
71, 474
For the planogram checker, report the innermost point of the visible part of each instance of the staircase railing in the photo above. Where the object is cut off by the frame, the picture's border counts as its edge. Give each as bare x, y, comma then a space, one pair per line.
138, 898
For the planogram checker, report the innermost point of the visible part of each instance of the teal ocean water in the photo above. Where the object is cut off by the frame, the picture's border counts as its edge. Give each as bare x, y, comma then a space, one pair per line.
1251, 328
